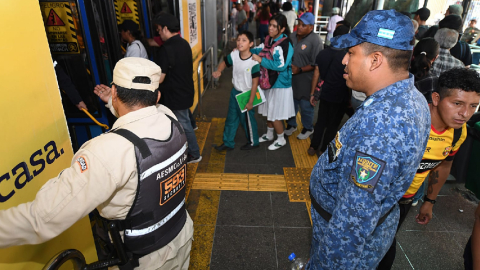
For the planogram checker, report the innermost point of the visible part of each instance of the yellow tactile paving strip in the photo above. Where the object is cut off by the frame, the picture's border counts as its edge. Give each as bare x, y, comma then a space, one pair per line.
201, 134
243, 182
205, 202
216, 164
298, 184
300, 147
205, 220
309, 207
298, 181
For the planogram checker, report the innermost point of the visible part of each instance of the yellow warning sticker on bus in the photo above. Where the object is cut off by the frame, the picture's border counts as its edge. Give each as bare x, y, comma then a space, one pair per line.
60, 28
126, 10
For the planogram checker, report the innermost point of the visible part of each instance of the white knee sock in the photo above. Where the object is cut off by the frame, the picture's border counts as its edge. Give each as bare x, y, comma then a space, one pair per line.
270, 132
281, 138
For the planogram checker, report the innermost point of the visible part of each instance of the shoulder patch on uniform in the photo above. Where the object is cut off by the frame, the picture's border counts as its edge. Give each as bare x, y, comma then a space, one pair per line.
82, 163
334, 148
366, 171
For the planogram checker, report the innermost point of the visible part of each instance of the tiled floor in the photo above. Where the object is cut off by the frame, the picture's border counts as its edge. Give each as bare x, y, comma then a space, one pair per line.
259, 230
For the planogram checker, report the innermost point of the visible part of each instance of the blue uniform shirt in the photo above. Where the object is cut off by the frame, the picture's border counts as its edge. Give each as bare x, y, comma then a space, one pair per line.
363, 174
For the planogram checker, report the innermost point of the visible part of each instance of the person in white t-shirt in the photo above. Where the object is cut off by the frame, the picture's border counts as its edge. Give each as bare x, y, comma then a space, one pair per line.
289, 14
332, 23
246, 72
131, 34
233, 18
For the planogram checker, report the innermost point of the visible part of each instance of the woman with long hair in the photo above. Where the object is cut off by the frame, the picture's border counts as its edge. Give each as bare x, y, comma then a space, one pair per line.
424, 54
279, 98
263, 17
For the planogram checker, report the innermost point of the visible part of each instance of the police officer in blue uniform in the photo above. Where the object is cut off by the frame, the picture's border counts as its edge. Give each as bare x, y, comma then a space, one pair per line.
357, 182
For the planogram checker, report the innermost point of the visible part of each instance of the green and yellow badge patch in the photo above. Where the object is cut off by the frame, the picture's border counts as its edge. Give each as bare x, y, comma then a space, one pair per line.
366, 171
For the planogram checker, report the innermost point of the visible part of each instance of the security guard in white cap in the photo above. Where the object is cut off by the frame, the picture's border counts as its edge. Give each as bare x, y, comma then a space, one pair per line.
134, 174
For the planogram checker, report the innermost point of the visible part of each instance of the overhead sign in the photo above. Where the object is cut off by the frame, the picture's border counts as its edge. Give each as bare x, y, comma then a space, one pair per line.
126, 10
60, 27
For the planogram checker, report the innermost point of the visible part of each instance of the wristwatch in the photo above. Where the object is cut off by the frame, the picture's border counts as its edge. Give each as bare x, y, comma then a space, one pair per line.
300, 70
425, 198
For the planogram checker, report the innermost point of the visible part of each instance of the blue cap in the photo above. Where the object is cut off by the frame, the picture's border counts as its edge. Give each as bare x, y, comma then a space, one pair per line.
386, 28
307, 18
292, 257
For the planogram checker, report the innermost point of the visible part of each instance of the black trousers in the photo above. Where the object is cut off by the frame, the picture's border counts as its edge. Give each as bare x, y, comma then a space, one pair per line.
330, 115
467, 255
387, 261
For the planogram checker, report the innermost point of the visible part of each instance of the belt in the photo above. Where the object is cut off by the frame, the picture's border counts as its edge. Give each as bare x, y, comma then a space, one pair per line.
327, 216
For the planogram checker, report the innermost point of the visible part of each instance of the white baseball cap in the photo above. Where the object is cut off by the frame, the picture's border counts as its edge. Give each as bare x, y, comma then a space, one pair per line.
129, 68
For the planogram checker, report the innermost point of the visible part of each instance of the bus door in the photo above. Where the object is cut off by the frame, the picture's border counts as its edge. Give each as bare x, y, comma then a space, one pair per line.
76, 37
136, 11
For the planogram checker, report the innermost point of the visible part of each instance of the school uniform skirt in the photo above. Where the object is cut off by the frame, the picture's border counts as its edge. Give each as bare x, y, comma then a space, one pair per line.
278, 105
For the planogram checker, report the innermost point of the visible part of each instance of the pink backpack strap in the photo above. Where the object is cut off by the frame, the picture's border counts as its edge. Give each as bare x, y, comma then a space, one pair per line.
276, 44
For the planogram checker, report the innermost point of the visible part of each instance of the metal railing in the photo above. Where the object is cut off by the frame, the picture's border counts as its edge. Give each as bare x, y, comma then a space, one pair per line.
208, 52
321, 25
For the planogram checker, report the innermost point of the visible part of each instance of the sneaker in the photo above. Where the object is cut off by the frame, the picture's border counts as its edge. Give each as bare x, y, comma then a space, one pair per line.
249, 147
264, 138
305, 134
311, 151
276, 144
289, 130
223, 147
191, 159
415, 203
195, 128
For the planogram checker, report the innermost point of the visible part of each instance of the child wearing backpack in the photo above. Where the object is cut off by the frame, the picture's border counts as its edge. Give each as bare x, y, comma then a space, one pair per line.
275, 58
245, 77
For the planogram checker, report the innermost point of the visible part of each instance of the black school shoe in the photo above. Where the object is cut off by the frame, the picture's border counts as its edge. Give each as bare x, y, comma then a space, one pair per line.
249, 147
191, 159
223, 147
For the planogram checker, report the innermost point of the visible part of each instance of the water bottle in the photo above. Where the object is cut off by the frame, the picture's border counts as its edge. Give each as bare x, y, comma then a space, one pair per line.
297, 263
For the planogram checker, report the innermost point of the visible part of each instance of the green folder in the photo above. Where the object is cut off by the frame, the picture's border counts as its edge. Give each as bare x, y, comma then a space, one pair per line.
243, 98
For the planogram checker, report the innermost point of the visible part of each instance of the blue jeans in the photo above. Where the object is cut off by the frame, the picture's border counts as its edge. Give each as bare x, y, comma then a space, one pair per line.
306, 112
263, 29
421, 191
184, 119
243, 28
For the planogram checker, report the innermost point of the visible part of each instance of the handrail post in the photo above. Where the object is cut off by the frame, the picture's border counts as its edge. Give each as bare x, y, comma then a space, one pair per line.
199, 83
214, 86
199, 88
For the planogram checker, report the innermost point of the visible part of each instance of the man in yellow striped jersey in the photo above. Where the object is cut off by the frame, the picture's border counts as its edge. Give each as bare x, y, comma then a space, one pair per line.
453, 103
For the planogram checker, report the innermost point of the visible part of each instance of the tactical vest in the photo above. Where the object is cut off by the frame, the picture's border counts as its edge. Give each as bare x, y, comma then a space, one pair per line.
158, 211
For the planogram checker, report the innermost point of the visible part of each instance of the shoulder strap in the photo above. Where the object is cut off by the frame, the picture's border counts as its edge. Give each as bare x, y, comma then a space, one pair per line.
277, 43
266, 42
176, 123
142, 146
457, 133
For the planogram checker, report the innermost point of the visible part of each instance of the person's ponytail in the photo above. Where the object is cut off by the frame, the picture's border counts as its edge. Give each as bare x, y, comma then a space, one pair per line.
424, 53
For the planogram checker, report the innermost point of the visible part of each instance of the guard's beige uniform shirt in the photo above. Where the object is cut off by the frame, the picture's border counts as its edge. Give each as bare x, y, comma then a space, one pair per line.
106, 181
